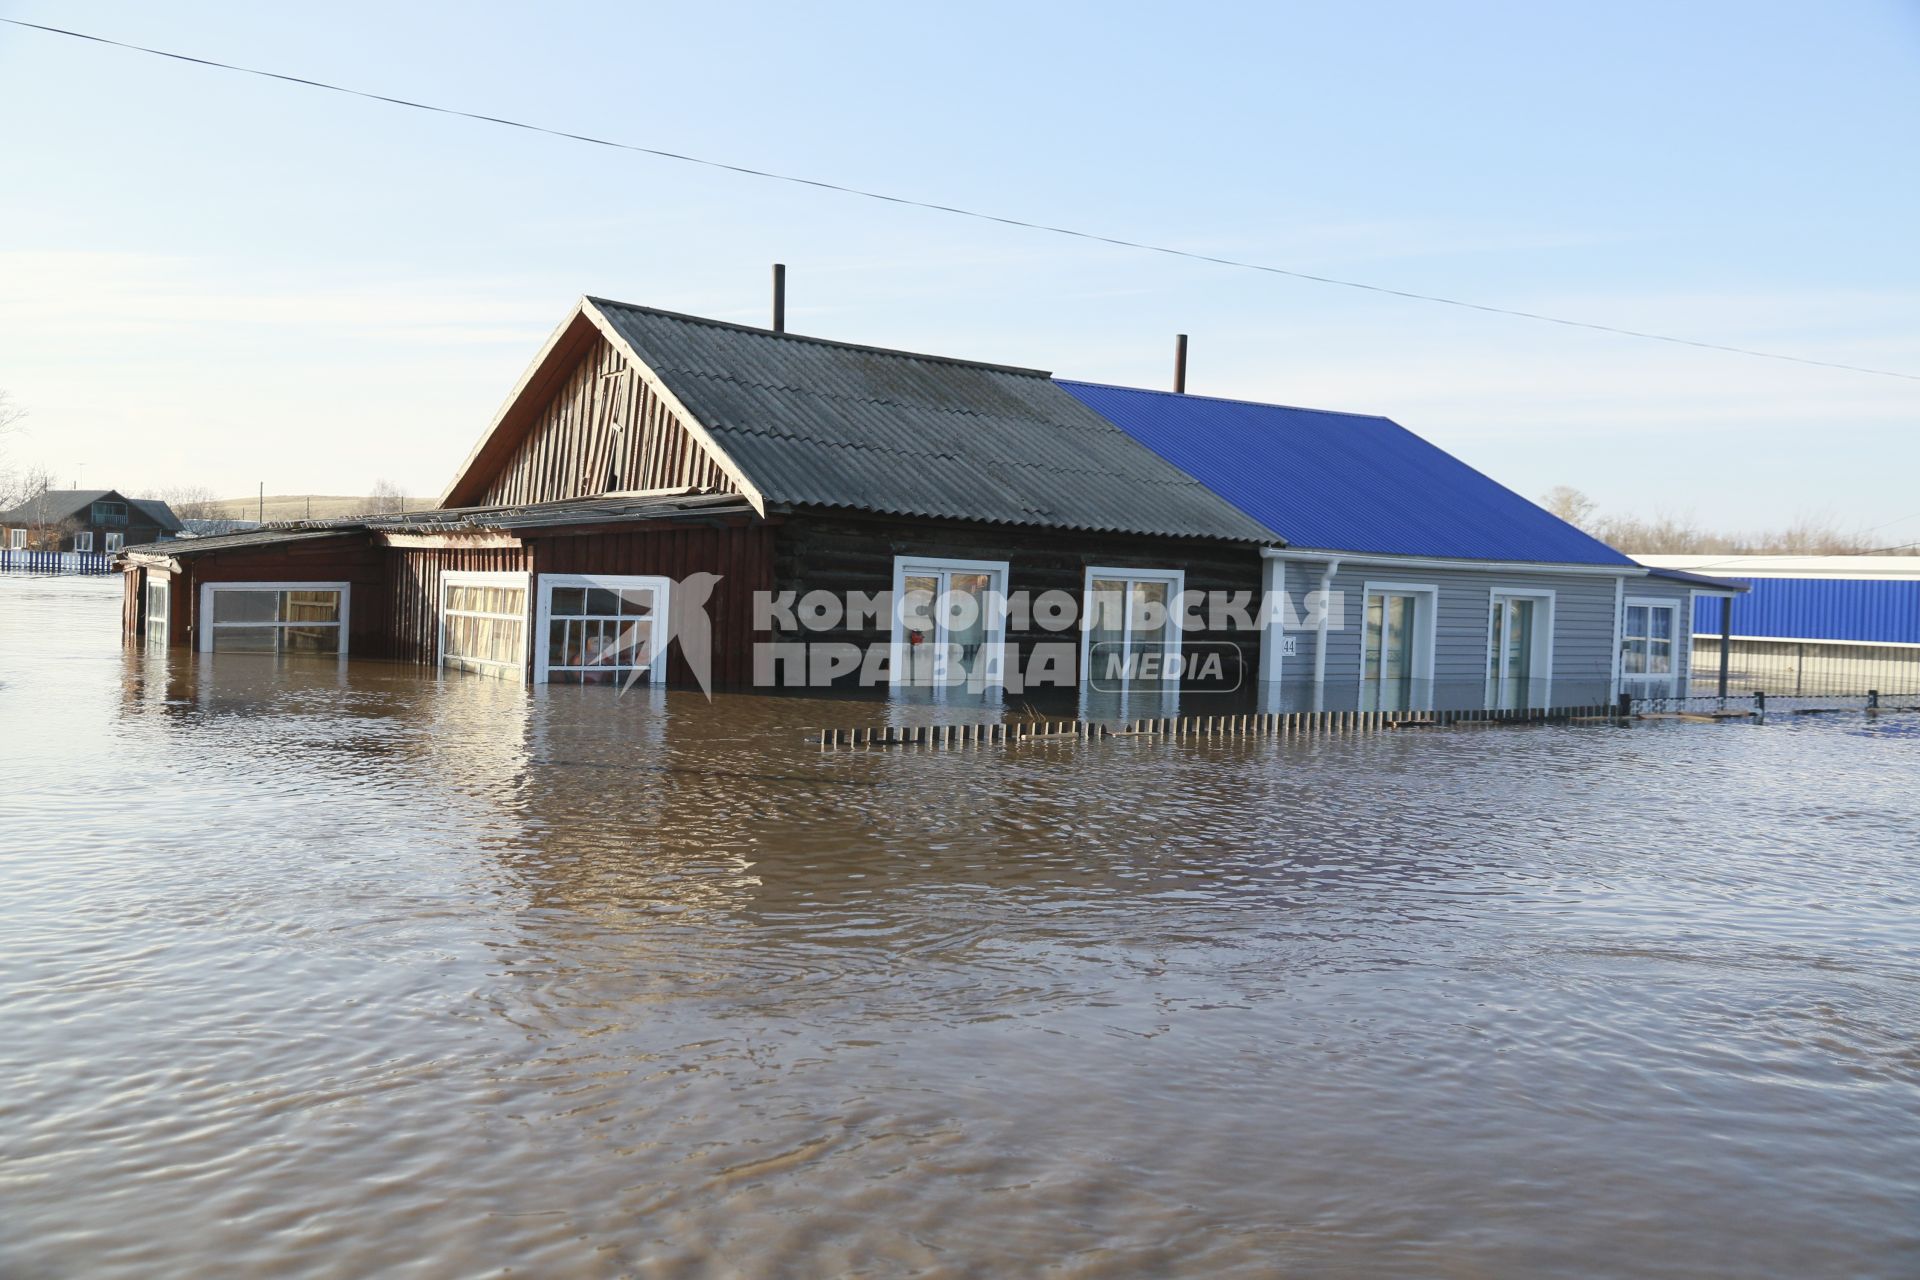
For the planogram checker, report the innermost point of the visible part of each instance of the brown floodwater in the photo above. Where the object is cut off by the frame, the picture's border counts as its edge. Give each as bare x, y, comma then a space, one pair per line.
323, 971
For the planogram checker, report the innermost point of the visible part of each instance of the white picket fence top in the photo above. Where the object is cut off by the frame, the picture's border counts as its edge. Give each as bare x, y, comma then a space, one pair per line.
55, 561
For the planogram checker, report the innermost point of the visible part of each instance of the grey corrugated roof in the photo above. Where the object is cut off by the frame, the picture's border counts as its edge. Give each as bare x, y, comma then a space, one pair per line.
177, 547
609, 509
55, 502
159, 512
827, 424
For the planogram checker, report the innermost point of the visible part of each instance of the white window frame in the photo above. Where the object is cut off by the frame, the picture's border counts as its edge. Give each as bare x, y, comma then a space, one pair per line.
482, 578
544, 586
157, 637
1425, 638
115, 542
1540, 661
17, 540
207, 624
1176, 580
923, 566
83, 542
1642, 684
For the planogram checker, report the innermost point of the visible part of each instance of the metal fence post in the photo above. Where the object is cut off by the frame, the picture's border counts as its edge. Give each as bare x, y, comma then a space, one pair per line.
1726, 642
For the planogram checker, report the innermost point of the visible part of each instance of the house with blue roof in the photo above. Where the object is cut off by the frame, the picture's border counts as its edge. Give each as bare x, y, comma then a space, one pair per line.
1443, 589
678, 498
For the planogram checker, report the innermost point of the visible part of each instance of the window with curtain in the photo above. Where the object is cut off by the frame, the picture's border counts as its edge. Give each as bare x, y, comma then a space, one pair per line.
483, 623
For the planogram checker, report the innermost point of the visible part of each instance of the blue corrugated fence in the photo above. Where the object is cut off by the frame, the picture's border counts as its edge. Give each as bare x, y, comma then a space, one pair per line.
1872, 610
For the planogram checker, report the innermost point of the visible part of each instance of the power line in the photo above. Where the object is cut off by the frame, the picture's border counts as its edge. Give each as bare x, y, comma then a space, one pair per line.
958, 211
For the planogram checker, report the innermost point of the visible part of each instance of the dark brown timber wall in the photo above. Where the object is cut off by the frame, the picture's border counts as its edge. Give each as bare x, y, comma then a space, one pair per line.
350, 558
740, 552
414, 603
603, 430
132, 582
133, 607
847, 553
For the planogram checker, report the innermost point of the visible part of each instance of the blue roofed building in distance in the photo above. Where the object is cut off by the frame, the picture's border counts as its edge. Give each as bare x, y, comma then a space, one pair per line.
1448, 590
1811, 625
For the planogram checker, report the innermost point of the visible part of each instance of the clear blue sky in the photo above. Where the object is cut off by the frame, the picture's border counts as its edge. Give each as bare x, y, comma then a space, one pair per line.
207, 277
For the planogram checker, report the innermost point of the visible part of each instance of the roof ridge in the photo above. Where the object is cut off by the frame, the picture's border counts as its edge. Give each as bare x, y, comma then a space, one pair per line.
825, 342
1255, 404
1094, 423
1179, 480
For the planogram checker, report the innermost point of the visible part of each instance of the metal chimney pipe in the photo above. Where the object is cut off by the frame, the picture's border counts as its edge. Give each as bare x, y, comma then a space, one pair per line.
1180, 363
779, 297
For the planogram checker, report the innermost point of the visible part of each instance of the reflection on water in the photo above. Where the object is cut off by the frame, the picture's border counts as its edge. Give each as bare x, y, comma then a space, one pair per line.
313, 971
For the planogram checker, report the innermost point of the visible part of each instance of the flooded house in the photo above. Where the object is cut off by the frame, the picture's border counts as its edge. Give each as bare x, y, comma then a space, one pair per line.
97, 521
746, 489
650, 461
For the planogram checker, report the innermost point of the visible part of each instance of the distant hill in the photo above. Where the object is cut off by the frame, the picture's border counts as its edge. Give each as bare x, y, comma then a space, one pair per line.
303, 506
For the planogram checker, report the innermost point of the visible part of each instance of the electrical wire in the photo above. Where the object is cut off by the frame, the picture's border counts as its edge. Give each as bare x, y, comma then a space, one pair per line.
977, 214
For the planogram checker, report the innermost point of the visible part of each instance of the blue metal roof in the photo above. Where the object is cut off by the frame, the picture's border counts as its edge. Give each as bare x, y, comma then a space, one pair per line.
1343, 481
1869, 609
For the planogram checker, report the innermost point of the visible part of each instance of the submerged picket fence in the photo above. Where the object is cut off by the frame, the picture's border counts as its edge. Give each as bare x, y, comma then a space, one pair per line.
1256, 725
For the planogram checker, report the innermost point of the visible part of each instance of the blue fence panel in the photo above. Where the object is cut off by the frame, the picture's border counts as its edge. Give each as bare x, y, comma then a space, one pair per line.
54, 561
1877, 610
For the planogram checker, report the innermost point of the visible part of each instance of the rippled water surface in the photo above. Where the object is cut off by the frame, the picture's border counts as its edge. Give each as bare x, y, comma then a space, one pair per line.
308, 972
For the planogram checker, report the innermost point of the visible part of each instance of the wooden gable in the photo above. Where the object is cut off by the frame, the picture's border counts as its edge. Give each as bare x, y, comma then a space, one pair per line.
588, 419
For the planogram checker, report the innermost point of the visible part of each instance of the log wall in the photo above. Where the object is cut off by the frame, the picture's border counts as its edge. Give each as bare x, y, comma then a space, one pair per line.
740, 551
840, 554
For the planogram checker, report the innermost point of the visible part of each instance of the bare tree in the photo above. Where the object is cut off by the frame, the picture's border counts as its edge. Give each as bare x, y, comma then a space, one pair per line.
188, 501
13, 483
1664, 533
28, 490
1571, 505
386, 499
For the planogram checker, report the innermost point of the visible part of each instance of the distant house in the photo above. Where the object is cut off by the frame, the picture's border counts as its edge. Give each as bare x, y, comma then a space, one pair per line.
649, 460
86, 520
